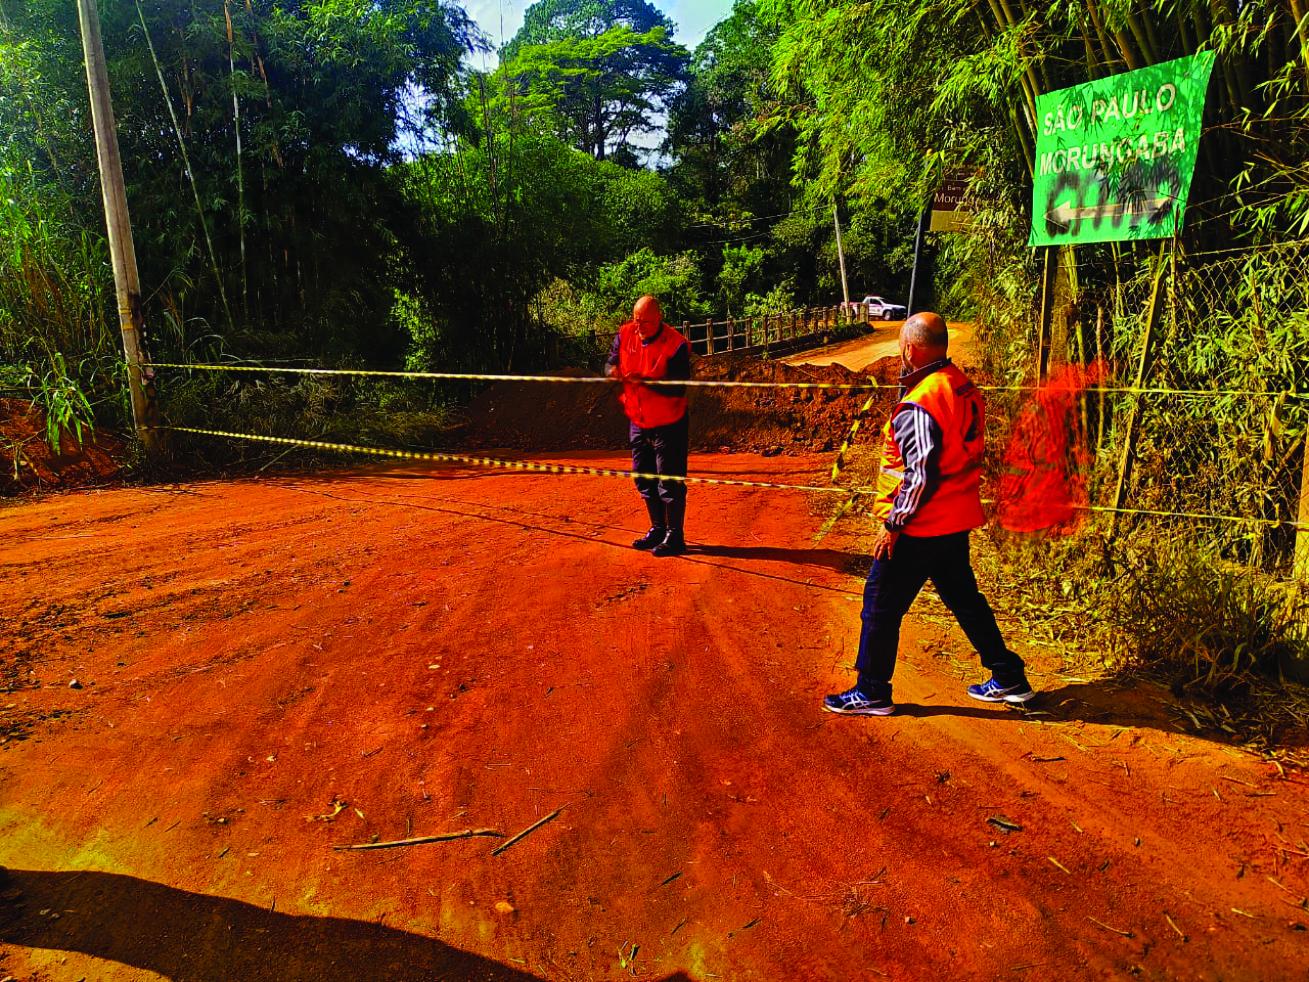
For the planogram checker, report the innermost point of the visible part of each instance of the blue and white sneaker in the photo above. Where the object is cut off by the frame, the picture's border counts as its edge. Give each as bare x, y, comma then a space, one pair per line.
853, 702
993, 691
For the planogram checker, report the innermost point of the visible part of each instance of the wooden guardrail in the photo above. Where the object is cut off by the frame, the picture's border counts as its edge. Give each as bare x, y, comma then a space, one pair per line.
790, 330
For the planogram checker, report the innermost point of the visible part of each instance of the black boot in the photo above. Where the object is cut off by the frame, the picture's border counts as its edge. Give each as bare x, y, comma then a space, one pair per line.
658, 527
674, 543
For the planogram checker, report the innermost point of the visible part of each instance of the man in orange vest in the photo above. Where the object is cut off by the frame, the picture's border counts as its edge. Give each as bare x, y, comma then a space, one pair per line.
647, 349
928, 500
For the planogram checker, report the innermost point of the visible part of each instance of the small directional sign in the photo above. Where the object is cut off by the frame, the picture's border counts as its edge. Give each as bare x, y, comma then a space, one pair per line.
950, 207
1114, 157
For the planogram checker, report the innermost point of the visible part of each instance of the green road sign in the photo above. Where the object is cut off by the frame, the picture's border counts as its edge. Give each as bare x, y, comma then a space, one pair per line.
1114, 157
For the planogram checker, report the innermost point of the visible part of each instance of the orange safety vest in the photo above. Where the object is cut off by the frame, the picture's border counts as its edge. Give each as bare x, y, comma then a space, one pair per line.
956, 506
649, 406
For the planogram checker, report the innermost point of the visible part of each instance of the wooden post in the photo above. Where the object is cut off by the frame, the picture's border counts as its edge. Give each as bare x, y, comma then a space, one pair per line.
686, 333
1142, 369
1049, 279
709, 337
731, 334
118, 222
1301, 566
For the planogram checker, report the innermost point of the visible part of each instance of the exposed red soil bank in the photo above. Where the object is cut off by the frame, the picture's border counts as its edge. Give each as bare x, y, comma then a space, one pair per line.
27, 461
271, 668
588, 417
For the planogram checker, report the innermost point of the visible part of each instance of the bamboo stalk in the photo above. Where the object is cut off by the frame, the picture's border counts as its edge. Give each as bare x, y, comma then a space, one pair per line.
1092, 64
422, 840
1004, 18
526, 832
1227, 15
1098, 24
1302, 32
1142, 38
186, 162
240, 171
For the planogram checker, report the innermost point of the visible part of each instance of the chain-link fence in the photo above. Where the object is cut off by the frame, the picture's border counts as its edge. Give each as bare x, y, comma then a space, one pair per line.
1189, 377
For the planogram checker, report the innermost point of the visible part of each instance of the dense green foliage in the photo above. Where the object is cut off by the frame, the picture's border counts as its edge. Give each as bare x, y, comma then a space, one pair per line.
596, 72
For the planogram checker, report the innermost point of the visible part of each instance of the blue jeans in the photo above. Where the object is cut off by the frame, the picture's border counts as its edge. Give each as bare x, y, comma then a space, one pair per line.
891, 588
661, 450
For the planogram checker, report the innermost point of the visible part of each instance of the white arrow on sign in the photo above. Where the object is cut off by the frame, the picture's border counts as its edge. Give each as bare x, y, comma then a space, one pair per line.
1066, 213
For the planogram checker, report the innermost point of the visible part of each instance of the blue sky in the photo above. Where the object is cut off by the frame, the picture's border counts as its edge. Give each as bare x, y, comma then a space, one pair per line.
692, 17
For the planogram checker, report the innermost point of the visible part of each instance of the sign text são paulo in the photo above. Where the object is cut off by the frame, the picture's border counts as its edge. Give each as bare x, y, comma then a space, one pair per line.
1114, 157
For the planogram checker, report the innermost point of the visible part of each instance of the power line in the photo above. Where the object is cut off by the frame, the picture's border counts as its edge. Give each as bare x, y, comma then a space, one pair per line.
761, 218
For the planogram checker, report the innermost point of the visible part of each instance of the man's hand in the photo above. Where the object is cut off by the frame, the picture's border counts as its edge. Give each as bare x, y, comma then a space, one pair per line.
885, 544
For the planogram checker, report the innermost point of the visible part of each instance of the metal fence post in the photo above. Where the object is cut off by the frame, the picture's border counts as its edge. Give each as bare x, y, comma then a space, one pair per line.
1301, 565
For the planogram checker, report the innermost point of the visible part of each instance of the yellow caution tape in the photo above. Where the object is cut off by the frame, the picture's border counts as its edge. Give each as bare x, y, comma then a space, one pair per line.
564, 379
517, 465
839, 463
840, 513
698, 383
543, 468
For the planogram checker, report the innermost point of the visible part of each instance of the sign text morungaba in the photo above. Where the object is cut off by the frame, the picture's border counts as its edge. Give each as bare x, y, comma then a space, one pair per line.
1114, 157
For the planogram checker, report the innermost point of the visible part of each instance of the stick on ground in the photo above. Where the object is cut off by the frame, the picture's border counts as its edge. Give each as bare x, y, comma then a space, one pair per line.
423, 840
526, 832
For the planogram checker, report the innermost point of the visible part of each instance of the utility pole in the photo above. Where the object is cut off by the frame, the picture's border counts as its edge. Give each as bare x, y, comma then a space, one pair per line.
918, 255
122, 252
840, 255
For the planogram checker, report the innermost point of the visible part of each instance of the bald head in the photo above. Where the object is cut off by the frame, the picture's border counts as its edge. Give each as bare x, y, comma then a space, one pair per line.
926, 330
923, 340
648, 316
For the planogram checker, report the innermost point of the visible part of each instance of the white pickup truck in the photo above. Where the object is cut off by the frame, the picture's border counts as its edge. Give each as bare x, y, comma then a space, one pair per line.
877, 309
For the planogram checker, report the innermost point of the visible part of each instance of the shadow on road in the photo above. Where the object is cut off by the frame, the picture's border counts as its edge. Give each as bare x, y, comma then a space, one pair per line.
191, 937
1127, 702
842, 562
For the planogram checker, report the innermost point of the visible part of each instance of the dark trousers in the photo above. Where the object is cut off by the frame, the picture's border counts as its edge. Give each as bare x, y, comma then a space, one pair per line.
892, 586
661, 450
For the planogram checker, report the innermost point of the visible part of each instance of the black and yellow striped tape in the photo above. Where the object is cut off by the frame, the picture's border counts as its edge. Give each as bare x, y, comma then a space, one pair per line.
544, 468
870, 385
516, 465
562, 379
839, 464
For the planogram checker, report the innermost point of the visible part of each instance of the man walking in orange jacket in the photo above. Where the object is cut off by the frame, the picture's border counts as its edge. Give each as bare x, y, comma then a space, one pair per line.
659, 433
928, 500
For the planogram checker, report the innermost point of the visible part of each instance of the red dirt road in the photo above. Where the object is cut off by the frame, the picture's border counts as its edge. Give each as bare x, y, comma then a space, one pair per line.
859, 353
273, 667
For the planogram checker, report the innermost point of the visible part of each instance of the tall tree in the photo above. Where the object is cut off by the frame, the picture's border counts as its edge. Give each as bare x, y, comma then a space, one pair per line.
602, 71
731, 156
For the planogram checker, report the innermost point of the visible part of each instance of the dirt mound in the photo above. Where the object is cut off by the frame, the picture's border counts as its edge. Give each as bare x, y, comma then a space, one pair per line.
28, 463
528, 416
